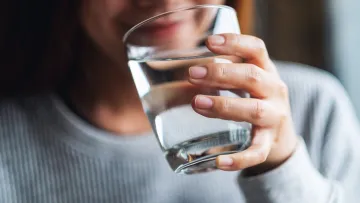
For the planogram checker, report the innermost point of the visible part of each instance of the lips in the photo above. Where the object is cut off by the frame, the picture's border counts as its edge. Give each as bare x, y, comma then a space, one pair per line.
163, 29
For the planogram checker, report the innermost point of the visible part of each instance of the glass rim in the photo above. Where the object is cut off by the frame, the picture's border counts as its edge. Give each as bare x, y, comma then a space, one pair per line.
135, 27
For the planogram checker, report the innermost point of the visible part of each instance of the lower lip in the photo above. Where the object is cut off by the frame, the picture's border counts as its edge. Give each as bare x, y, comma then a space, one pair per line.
161, 31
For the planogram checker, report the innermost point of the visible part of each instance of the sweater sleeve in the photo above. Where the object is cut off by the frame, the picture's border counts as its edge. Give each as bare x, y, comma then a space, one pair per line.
295, 181
323, 169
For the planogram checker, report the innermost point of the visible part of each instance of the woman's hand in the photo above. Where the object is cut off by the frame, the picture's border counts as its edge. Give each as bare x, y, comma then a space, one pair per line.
274, 138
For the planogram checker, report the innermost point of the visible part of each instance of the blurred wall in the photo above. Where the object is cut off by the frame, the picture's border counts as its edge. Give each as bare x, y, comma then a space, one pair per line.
321, 33
343, 44
293, 30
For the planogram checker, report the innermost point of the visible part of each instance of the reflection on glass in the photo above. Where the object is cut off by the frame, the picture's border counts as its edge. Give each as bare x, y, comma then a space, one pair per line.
160, 51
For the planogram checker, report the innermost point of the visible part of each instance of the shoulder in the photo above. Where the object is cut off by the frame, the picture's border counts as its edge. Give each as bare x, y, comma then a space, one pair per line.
14, 119
19, 116
18, 120
308, 84
317, 99
14, 110
308, 79
21, 124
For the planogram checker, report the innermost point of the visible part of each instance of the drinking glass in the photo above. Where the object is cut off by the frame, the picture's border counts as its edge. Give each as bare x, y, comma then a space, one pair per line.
160, 51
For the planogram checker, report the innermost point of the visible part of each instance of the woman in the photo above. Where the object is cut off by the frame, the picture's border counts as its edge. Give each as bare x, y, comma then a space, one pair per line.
72, 128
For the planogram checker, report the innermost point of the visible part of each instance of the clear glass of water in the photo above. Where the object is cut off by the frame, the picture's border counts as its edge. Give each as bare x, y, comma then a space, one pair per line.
160, 51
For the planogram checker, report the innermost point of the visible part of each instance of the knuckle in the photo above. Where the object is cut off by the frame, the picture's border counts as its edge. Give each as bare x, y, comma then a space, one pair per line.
252, 74
259, 110
283, 89
226, 105
239, 162
233, 38
282, 117
261, 155
260, 45
221, 71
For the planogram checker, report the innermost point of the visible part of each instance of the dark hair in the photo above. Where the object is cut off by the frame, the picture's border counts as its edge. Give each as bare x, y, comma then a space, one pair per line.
231, 3
38, 45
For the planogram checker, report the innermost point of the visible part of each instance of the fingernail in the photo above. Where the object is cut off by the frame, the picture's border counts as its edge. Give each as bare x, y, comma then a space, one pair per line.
197, 72
216, 40
225, 161
203, 102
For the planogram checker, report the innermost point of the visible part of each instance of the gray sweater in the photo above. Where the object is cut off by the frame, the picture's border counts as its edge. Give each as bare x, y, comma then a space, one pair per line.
49, 155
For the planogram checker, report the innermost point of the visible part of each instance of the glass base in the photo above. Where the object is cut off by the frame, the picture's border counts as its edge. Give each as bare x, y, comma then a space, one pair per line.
198, 155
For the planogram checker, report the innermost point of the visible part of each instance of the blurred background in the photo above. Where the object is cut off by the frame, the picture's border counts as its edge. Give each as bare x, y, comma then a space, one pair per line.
320, 33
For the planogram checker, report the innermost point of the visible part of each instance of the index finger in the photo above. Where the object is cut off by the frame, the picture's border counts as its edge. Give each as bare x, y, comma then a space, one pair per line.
250, 48
169, 95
